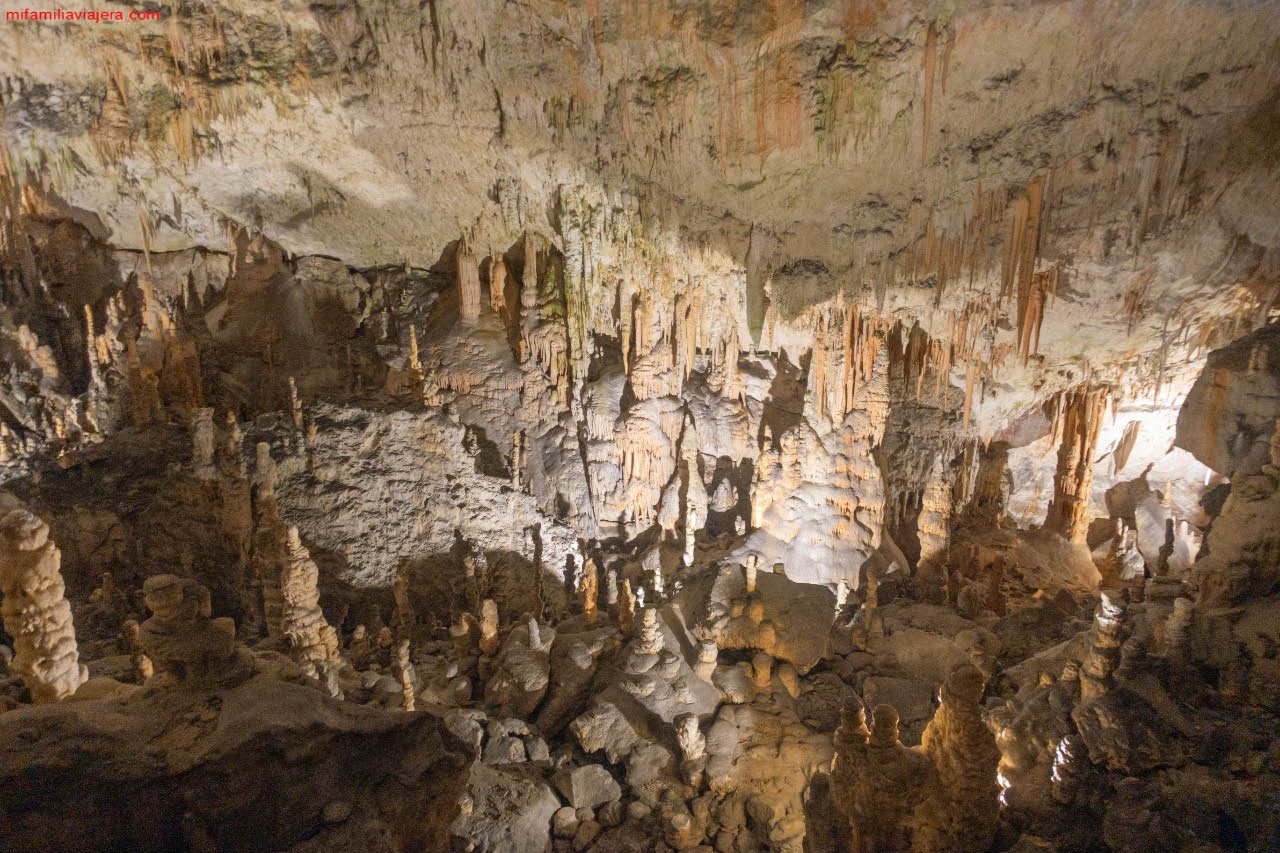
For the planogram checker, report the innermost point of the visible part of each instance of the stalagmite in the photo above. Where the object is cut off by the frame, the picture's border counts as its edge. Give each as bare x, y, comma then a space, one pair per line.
302, 620
517, 459
933, 525
489, 640
961, 809
749, 569
889, 789
1069, 759
359, 649
589, 590
408, 677
1110, 630
180, 638
708, 656
144, 389
464, 633
849, 764
202, 441
696, 500
497, 284
35, 609
232, 451
413, 362
611, 588
649, 640
143, 669
468, 280
872, 621
652, 564
1177, 630
268, 548
403, 620
295, 405
762, 670
626, 609
693, 748
264, 473
1068, 514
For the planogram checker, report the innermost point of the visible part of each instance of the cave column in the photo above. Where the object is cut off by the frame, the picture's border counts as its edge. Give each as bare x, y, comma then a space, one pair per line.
1082, 411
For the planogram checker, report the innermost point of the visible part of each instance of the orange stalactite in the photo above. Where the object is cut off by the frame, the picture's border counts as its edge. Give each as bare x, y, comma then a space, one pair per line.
946, 57
852, 320
971, 371
1044, 286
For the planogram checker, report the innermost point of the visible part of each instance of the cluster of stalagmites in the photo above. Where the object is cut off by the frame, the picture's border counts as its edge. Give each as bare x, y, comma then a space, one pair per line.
940, 796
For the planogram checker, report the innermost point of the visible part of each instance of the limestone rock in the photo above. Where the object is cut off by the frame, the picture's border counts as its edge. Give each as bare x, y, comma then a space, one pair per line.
586, 786
264, 741
1230, 412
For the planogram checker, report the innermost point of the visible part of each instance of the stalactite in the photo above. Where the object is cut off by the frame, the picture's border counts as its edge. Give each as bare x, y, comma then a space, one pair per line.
722, 374
529, 297
1124, 447
971, 369
1020, 258
684, 336
626, 315
1043, 287
930, 62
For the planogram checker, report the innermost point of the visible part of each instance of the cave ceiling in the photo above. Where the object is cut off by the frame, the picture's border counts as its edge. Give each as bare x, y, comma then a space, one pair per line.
921, 158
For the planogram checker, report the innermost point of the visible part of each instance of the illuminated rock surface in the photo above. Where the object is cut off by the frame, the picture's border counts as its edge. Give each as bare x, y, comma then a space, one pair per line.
641, 426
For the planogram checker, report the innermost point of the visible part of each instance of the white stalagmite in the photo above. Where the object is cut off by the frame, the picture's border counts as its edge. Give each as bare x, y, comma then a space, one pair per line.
35, 609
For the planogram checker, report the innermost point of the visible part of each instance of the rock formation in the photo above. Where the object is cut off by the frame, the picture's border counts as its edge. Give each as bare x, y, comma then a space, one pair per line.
302, 621
36, 612
961, 810
180, 638
917, 362
1081, 413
